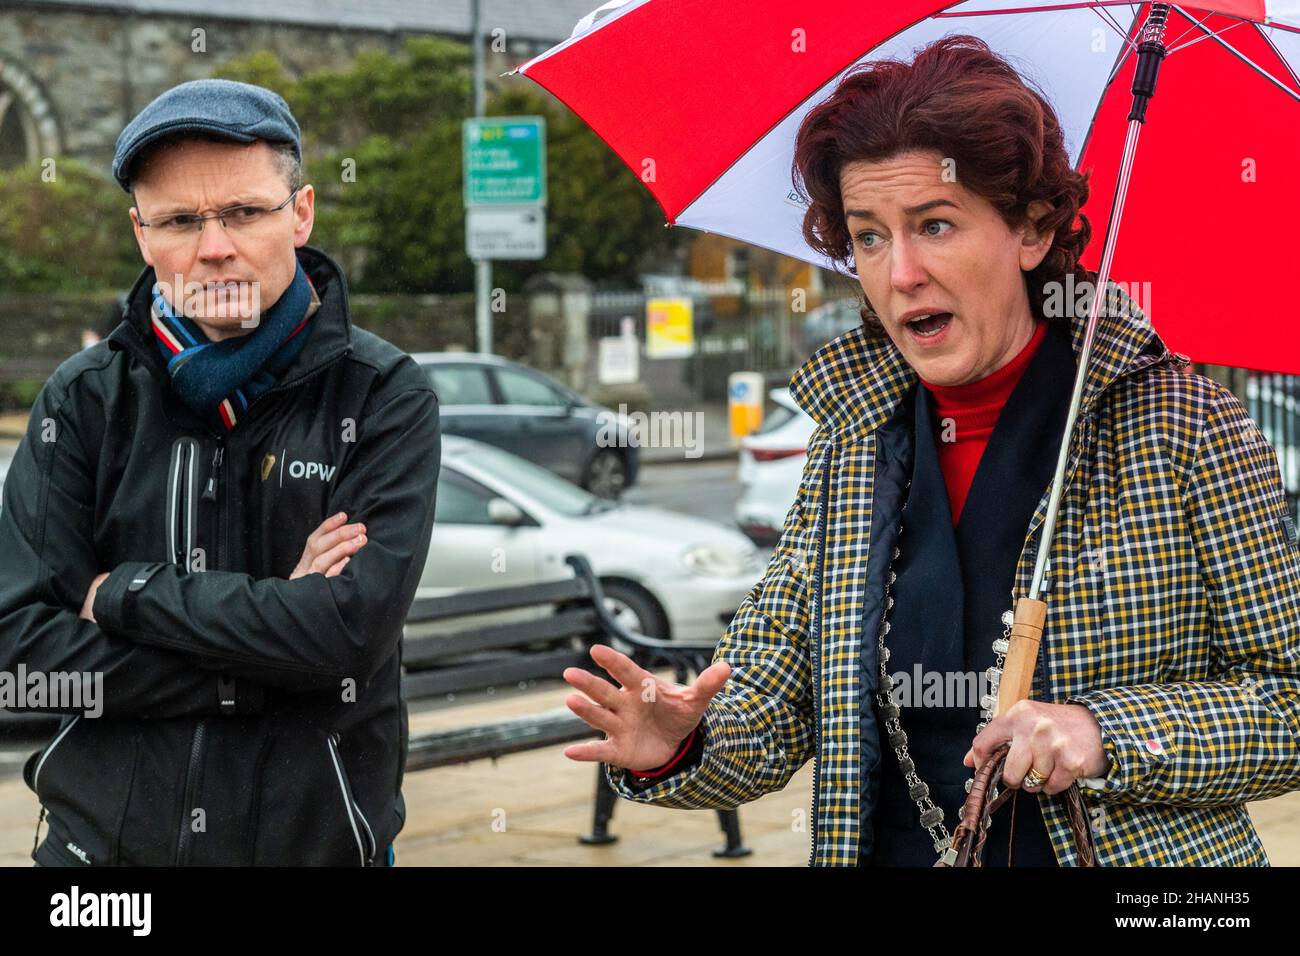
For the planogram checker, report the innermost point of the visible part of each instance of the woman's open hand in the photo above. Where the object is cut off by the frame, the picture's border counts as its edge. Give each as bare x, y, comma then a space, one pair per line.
645, 719
1060, 741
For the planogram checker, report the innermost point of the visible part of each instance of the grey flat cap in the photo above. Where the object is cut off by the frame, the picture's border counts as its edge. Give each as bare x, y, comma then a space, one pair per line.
237, 111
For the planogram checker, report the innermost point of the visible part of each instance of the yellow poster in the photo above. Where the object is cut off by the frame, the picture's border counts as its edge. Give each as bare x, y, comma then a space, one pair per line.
669, 328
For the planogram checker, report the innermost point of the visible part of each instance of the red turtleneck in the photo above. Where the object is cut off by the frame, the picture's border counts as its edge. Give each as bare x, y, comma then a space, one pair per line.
964, 416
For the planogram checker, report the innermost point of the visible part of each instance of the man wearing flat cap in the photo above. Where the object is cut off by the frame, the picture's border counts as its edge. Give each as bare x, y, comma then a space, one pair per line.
223, 509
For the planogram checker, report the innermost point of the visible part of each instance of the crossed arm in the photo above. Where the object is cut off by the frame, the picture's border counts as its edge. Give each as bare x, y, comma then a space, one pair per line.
163, 649
48, 559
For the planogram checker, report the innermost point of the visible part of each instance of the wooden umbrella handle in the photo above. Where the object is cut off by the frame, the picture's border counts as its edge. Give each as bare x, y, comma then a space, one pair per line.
1022, 653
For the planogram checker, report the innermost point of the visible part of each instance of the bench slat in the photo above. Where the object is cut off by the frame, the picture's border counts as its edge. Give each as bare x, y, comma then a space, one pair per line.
507, 669
426, 650
497, 599
462, 744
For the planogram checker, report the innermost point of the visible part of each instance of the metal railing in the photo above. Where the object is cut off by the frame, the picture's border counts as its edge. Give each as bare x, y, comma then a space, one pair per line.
1273, 400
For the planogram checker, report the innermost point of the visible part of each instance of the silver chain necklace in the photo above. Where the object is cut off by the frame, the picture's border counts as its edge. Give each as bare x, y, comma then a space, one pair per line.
918, 789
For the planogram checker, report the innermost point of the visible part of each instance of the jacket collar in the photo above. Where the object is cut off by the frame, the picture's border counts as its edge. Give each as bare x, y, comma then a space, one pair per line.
852, 384
331, 329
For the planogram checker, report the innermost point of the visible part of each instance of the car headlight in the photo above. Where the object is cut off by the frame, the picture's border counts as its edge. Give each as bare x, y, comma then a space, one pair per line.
715, 562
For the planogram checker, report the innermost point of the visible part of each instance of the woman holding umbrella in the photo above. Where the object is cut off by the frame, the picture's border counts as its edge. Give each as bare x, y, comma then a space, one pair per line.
1168, 684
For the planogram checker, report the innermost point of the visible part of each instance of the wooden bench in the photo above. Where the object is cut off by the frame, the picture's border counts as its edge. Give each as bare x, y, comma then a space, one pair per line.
477, 654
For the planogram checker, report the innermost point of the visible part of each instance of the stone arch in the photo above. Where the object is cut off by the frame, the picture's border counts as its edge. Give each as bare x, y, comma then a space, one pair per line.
29, 128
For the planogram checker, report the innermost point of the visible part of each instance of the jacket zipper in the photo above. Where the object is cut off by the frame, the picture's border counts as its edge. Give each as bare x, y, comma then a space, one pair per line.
188, 511
210, 490
216, 492
198, 740
36, 774
175, 492
196, 750
180, 512
350, 805
183, 506
814, 663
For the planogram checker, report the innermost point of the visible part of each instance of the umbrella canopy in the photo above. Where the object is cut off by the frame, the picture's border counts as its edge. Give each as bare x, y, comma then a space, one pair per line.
702, 100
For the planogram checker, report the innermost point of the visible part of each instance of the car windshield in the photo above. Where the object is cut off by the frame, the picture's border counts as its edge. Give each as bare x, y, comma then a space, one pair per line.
779, 416
546, 487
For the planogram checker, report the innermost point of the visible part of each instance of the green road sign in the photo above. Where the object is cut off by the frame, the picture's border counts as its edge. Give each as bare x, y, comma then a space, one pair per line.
505, 160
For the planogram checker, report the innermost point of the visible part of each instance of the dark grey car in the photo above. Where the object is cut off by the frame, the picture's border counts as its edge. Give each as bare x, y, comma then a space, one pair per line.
529, 414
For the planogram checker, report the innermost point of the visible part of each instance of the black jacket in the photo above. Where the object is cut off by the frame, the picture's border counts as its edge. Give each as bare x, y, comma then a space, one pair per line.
247, 718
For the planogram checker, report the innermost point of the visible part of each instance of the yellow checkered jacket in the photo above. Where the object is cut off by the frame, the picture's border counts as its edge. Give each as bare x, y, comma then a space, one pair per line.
1173, 611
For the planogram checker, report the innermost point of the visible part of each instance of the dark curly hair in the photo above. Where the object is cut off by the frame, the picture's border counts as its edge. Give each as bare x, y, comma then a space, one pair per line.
962, 100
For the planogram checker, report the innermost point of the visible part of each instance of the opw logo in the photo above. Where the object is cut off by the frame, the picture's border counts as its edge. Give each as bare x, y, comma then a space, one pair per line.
311, 470
304, 470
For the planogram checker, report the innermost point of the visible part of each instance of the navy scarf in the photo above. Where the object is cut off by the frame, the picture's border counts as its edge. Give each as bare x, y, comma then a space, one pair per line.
220, 380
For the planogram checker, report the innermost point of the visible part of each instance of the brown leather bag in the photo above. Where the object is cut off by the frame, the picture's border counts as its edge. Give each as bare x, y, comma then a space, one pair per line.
972, 826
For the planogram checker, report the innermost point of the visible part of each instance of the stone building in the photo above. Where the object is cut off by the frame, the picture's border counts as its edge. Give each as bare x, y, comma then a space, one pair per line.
74, 72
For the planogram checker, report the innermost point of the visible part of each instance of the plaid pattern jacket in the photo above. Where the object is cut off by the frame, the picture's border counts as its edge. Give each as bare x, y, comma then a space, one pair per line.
1173, 611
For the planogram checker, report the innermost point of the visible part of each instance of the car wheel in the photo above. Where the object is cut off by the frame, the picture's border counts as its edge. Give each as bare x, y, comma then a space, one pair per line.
607, 474
636, 611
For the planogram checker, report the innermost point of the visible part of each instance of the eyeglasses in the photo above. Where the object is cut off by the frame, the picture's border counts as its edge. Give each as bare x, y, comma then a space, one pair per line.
186, 227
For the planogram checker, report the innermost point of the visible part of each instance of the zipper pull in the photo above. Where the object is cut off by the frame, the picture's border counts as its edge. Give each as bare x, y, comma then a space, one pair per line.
210, 490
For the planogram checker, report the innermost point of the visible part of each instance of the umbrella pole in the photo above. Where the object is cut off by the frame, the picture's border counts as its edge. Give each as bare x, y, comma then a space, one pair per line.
1031, 611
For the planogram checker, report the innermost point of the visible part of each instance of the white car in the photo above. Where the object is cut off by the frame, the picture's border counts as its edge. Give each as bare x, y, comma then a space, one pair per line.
502, 521
771, 463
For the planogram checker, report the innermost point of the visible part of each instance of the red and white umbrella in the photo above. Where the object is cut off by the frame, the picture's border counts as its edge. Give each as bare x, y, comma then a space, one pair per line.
702, 99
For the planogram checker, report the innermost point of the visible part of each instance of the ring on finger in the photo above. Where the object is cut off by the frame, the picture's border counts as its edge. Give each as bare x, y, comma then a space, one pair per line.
1034, 779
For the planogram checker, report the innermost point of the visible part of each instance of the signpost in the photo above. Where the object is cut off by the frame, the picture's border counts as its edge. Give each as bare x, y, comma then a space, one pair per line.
505, 160
508, 232
505, 199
